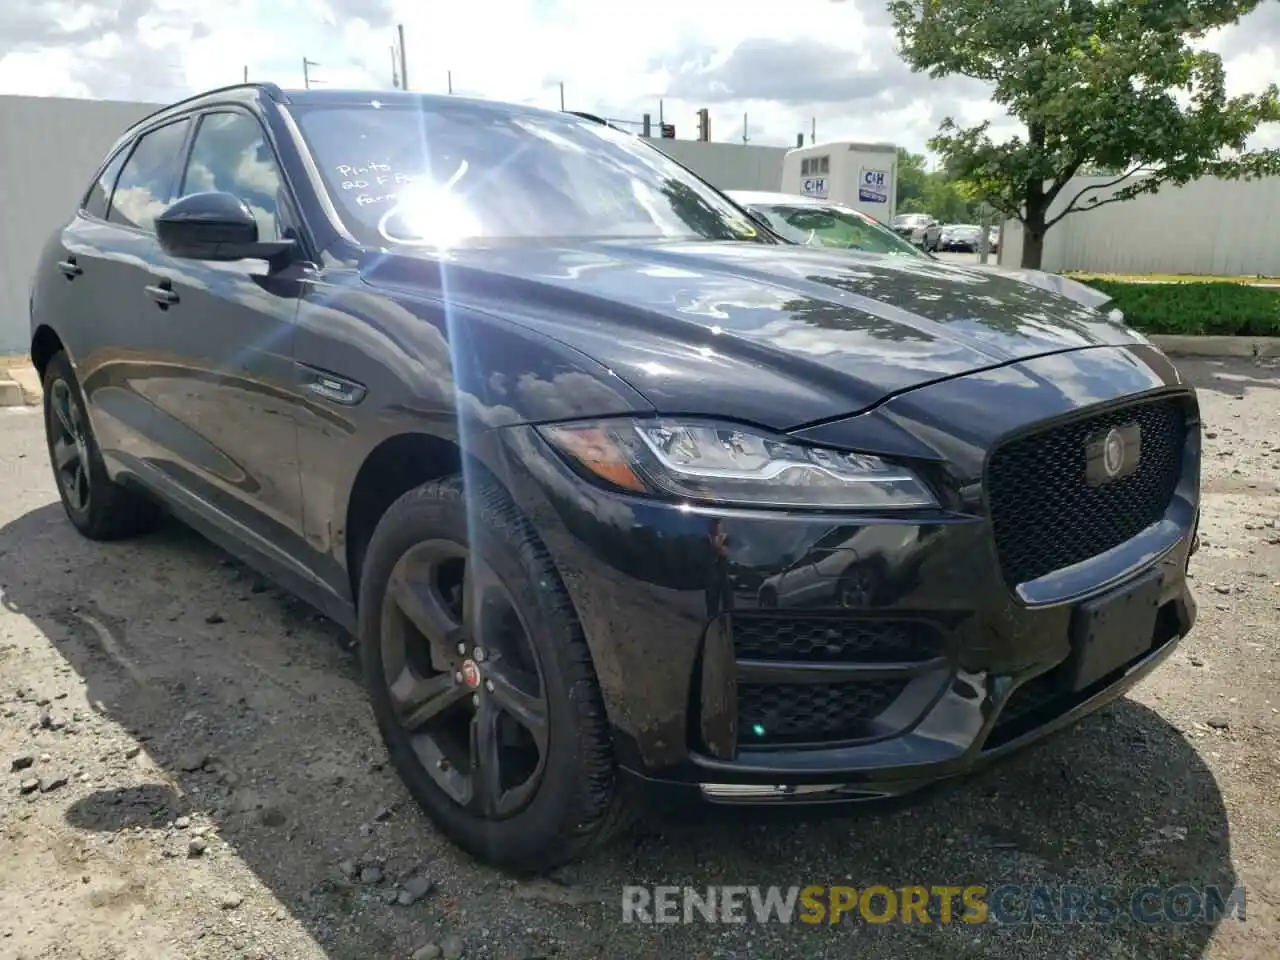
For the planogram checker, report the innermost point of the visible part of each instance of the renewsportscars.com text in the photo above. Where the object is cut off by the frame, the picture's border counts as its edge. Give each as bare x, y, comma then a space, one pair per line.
934, 904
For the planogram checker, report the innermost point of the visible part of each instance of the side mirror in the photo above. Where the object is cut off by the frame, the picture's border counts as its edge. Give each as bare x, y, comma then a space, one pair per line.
218, 227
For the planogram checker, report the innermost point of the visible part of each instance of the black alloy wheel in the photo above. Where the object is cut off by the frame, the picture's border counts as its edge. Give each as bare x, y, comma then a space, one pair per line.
464, 679
96, 505
68, 446
482, 681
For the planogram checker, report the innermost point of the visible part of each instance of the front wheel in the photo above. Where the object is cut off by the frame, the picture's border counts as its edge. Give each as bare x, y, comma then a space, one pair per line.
481, 681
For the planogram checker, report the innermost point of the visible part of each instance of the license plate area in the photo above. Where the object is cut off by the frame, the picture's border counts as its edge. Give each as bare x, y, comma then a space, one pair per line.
1114, 629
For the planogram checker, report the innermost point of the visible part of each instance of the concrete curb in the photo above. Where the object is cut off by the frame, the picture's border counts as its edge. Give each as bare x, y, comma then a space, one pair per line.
20, 386
10, 392
27, 378
1178, 345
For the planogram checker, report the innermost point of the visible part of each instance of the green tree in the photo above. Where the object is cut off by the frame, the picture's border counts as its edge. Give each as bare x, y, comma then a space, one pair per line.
912, 180
935, 192
1097, 84
951, 201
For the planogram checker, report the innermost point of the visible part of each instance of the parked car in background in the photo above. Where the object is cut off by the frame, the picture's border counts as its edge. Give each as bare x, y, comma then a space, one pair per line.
618, 489
905, 225
807, 221
953, 238
823, 223
918, 234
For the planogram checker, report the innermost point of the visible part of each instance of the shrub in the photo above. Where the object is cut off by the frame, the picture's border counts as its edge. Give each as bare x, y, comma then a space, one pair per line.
1211, 307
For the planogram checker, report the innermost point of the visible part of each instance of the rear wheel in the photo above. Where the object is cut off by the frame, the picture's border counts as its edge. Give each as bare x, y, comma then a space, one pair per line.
481, 681
97, 506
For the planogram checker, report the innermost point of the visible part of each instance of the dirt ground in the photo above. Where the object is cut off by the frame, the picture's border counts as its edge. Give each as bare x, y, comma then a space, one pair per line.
205, 780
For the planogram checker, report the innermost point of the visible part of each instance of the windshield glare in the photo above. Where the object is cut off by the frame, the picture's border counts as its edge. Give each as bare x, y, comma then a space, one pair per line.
470, 173
833, 226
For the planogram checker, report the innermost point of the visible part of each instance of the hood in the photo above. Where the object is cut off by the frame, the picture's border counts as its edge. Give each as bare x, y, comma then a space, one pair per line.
779, 334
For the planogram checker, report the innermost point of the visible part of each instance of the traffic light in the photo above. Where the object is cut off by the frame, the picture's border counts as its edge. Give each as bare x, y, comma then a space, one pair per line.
668, 131
704, 125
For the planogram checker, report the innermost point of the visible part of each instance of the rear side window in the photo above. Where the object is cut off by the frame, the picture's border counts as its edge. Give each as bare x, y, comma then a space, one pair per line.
146, 183
231, 155
99, 195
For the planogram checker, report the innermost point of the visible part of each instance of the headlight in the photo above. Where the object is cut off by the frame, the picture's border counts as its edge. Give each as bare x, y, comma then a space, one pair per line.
723, 463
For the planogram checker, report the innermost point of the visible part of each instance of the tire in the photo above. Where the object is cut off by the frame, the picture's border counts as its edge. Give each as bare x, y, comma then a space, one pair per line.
576, 804
96, 505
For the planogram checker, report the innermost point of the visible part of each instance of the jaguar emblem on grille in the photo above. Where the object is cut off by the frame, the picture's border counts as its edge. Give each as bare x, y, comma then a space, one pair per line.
1113, 453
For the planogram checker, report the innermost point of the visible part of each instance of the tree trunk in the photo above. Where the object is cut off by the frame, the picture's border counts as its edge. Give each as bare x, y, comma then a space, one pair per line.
1036, 211
1032, 247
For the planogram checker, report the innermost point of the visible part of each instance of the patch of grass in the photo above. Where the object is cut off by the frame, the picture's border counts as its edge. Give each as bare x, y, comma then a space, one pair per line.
1220, 307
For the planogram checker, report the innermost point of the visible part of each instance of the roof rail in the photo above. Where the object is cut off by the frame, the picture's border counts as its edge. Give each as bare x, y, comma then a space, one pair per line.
272, 90
598, 119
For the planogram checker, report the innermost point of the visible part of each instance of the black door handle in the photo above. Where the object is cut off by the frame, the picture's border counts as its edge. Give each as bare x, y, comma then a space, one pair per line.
162, 295
70, 268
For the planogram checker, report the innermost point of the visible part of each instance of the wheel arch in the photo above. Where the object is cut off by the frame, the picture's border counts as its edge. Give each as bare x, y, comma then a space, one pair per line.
391, 469
45, 342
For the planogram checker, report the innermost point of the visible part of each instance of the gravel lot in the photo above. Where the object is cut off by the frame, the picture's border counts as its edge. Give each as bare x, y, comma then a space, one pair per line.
210, 784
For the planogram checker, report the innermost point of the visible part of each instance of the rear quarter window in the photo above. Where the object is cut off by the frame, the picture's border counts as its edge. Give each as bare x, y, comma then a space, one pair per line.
98, 196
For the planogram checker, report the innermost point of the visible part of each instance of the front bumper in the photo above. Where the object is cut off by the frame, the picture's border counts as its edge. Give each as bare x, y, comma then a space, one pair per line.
832, 659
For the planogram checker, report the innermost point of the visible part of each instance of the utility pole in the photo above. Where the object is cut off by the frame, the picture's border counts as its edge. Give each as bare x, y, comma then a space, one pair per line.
246, 73
306, 72
660, 120
562, 96
813, 130
404, 69
395, 68
984, 240
450, 72
745, 138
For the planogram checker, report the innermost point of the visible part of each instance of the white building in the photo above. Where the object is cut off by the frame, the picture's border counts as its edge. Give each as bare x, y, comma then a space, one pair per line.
49, 148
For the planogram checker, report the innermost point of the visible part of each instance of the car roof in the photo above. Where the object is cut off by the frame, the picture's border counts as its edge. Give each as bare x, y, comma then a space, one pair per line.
253, 93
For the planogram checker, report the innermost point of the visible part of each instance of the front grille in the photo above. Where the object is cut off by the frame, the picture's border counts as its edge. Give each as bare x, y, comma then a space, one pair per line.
823, 639
811, 713
1045, 517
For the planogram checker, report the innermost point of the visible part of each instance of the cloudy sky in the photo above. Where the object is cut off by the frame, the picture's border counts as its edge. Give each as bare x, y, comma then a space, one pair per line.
786, 65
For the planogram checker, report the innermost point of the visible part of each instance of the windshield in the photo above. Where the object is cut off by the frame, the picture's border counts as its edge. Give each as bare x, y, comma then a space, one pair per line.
832, 226
462, 172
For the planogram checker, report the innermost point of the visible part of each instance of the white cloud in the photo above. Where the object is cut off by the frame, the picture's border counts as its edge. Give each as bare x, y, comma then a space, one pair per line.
786, 66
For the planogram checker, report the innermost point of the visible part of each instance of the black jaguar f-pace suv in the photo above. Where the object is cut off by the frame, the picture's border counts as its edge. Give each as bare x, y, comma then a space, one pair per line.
622, 495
